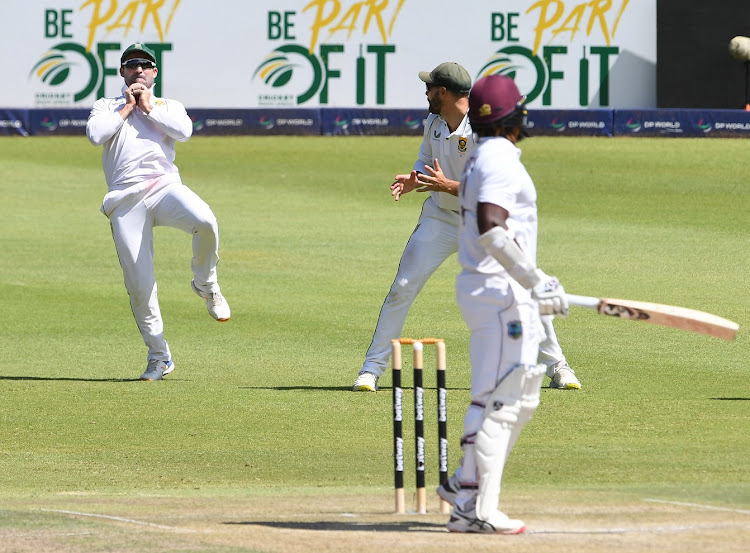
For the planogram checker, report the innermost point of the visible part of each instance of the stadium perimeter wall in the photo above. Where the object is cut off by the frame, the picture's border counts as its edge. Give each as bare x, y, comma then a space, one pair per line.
374, 122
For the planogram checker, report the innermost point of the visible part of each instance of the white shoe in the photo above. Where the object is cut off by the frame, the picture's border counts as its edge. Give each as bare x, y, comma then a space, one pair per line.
215, 302
157, 369
499, 523
366, 382
564, 378
449, 490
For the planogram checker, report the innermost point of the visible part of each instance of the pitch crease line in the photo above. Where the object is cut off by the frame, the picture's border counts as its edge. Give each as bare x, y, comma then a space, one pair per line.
698, 505
119, 519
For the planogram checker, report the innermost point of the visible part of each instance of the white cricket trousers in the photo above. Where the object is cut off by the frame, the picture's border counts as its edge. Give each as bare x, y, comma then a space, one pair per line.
505, 335
505, 332
434, 239
133, 213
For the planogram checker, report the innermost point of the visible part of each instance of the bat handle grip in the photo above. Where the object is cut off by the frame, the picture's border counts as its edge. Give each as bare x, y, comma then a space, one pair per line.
583, 301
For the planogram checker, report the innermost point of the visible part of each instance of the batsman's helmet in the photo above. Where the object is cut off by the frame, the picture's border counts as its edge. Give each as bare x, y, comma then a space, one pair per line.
495, 100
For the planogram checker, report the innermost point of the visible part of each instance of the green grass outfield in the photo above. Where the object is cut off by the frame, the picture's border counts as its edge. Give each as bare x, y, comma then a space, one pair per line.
310, 240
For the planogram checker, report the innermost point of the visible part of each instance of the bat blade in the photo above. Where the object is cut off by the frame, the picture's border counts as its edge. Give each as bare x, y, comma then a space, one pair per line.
658, 314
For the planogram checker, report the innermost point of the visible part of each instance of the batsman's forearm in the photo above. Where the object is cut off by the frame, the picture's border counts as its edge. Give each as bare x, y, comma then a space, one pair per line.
500, 244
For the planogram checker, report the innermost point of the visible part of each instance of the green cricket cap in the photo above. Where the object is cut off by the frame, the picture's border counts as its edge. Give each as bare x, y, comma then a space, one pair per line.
139, 47
450, 75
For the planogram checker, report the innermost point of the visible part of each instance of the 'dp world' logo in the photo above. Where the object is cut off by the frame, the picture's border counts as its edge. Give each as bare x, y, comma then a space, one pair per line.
411, 122
68, 64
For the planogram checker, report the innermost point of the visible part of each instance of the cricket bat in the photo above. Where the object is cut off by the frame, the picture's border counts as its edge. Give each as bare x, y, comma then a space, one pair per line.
663, 315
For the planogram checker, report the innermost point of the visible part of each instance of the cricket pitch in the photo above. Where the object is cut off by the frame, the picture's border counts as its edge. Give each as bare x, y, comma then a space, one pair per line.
564, 522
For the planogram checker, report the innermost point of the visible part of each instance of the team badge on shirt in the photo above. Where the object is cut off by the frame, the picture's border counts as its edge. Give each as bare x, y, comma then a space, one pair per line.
515, 329
462, 144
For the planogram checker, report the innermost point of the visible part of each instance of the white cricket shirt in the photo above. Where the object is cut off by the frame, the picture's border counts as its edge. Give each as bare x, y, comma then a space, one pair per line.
451, 149
494, 174
142, 146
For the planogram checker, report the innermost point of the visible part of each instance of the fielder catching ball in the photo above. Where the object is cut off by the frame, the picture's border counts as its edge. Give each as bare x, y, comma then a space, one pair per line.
138, 132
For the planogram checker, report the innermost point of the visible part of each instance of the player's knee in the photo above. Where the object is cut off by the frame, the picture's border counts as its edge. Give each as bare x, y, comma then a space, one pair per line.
517, 395
403, 290
140, 292
498, 418
206, 224
473, 418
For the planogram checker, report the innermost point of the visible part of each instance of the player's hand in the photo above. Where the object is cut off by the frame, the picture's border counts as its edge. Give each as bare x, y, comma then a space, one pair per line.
143, 96
435, 181
403, 184
135, 90
130, 102
550, 295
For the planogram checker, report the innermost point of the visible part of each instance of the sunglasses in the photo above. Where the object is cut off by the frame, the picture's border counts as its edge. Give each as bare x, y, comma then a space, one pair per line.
139, 62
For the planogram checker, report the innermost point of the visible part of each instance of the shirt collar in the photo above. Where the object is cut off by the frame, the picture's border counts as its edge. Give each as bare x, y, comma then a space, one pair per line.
463, 126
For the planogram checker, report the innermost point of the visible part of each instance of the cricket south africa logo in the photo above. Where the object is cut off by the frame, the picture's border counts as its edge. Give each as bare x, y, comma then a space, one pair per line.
284, 69
520, 64
71, 65
81, 47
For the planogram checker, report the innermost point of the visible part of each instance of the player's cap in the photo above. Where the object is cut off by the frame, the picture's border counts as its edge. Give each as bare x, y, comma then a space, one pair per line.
494, 98
450, 75
147, 52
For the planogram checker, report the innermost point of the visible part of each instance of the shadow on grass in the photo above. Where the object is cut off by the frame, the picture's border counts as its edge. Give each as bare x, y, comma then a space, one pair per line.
67, 379
327, 526
298, 388
332, 388
731, 398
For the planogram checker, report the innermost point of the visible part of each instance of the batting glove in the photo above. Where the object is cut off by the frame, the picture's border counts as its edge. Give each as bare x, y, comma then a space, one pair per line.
550, 295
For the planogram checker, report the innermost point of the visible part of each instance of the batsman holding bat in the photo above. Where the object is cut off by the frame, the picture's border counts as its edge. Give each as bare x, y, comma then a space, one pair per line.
138, 132
501, 293
448, 142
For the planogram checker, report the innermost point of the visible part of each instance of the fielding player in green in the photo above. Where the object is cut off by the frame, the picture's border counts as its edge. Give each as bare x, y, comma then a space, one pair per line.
138, 132
448, 142
501, 293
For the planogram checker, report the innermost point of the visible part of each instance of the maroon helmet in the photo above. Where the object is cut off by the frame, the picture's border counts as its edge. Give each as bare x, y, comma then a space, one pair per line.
495, 100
